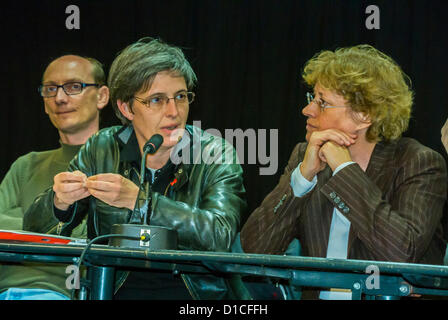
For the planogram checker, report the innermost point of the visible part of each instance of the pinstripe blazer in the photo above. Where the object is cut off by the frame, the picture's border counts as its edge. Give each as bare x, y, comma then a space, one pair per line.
395, 207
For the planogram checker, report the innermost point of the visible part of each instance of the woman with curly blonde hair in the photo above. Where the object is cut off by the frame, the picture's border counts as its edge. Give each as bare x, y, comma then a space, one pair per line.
371, 82
356, 189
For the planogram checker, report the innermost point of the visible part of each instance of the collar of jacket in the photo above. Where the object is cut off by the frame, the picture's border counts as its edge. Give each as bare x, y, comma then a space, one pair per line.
130, 153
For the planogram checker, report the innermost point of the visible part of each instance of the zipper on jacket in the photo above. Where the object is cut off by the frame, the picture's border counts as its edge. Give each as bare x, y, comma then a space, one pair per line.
56, 227
59, 227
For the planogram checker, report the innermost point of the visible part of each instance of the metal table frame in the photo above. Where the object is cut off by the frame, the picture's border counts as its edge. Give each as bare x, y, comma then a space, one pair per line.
395, 279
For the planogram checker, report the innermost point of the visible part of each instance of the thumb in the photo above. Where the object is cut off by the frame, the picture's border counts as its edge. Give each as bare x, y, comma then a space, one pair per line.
322, 156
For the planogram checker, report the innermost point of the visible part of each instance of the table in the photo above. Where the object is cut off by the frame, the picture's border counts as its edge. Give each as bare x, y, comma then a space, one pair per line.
366, 279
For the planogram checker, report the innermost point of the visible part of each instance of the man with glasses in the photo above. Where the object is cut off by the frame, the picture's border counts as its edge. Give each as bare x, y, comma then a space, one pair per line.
202, 201
355, 189
73, 92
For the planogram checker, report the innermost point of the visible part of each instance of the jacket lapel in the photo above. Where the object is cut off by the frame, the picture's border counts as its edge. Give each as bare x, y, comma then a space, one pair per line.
379, 169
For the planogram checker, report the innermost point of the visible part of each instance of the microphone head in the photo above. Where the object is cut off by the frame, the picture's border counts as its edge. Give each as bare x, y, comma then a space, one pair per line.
153, 144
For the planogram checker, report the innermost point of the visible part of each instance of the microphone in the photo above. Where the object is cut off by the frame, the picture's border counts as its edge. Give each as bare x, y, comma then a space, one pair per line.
150, 147
142, 235
153, 144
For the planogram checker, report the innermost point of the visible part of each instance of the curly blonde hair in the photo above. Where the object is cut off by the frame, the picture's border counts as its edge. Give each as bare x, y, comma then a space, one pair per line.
371, 82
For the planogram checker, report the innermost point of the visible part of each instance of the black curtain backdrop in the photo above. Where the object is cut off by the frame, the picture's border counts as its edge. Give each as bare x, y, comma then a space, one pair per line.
248, 56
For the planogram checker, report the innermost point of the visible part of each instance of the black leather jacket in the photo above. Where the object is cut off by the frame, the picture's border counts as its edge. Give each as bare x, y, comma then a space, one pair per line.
204, 206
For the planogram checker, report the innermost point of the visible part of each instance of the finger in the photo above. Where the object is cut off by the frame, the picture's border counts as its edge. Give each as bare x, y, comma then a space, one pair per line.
322, 156
79, 173
337, 136
83, 195
68, 177
111, 177
106, 197
101, 185
68, 187
341, 138
349, 135
79, 194
347, 140
70, 197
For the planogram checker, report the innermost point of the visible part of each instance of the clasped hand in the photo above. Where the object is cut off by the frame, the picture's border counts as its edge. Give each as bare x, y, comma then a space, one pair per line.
110, 188
326, 147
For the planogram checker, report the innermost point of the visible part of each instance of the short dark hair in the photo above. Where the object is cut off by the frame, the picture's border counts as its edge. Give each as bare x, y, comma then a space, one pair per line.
135, 68
99, 76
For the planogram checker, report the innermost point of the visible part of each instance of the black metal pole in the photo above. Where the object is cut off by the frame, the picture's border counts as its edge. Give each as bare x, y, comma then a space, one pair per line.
102, 280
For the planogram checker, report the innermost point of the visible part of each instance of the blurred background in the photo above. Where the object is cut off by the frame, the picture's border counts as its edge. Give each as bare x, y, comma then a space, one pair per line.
248, 56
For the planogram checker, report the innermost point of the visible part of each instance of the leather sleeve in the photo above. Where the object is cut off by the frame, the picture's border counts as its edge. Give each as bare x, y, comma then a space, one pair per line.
39, 217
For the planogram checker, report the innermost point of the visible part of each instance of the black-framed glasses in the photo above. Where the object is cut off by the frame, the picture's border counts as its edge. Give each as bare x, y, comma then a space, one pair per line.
70, 88
157, 101
322, 104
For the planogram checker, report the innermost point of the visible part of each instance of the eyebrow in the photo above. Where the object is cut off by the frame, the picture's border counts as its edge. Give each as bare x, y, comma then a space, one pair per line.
322, 98
163, 93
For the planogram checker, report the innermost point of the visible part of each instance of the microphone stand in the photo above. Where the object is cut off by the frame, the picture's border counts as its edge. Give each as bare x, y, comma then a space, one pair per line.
153, 236
142, 180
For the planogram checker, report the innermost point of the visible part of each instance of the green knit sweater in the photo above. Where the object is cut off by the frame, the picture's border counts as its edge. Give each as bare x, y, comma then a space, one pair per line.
28, 176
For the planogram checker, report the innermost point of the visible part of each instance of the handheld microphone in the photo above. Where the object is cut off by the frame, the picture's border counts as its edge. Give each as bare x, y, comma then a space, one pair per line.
153, 144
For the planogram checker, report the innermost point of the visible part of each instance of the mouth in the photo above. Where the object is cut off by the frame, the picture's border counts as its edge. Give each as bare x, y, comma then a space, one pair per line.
170, 127
172, 132
310, 127
64, 112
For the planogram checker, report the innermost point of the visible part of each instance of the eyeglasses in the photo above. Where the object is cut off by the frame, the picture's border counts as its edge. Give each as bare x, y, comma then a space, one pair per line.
70, 88
322, 104
157, 101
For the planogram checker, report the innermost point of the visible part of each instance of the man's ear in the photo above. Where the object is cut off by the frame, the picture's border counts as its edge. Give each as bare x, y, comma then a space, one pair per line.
103, 97
45, 108
125, 110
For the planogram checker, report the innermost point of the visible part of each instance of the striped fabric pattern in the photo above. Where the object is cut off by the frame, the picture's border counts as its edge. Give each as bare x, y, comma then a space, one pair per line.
395, 208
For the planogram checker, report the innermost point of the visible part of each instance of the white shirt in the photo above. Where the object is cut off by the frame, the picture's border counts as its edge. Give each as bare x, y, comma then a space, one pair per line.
339, 229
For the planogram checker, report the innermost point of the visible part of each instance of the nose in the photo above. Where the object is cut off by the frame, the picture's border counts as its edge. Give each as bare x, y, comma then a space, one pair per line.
61, 96
310, 110
171, 108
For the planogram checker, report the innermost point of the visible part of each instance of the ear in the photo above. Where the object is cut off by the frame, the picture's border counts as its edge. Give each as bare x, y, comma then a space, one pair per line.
103, 97
45, 108
363, 120
125, 110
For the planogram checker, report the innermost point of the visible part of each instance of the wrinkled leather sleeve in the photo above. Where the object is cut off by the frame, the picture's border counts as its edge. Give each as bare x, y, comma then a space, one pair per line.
39, 217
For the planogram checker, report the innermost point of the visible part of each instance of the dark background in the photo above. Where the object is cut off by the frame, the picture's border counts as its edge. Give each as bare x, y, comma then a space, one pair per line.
247, 55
